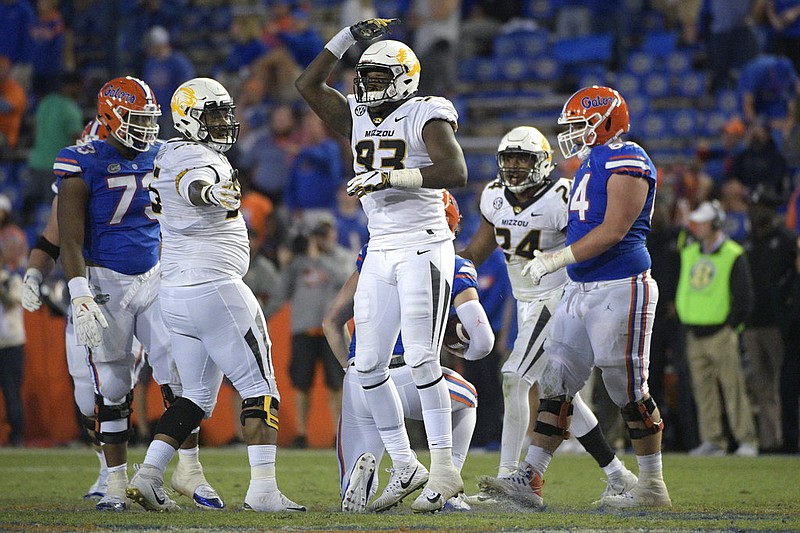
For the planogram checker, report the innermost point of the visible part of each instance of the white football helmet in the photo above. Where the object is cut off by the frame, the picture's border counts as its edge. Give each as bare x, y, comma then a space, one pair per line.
400, 70
524, 159
202, 110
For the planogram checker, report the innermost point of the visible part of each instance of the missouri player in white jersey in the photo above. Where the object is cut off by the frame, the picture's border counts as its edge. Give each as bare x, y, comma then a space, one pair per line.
606, 316
524, 211
405, 153
214, 320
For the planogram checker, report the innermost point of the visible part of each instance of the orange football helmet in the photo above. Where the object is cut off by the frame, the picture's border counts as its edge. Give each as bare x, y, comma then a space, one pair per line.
128, 108
93, 131
451, 211
595, 115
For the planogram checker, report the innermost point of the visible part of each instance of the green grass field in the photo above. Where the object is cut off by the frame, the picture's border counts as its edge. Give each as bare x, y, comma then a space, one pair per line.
42, 489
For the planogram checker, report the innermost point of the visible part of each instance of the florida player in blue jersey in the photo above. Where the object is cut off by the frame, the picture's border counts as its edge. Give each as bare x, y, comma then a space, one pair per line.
605, 317
359, 444
110, 254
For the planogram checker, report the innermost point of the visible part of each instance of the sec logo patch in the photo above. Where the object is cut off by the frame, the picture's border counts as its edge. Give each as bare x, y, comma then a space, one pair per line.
498, 203
360, 110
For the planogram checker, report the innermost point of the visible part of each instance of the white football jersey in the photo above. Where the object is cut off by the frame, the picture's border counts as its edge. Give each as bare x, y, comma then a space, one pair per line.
199, 243
400, 217
538, 224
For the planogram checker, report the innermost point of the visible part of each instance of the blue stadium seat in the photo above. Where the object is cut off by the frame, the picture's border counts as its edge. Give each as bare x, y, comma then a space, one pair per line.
521, 43
481, 167
638, 106
660, 44
656, 85
683, 122
728, 101
712, 123
512, 68
544, 69
590, 48
479, 69
628, 84
678, 62
589, 78
655, 126
691, 84
642, 63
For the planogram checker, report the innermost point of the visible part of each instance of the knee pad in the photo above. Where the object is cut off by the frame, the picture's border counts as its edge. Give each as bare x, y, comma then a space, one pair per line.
370, 379
427, 374
180, 419
120, 413
641, 411
561, 406
168, 395
261, 407
90, 425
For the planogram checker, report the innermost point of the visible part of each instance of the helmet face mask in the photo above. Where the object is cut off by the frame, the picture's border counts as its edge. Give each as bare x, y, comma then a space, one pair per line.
524, 159
388, 71
203, 111
128, 108
595, 115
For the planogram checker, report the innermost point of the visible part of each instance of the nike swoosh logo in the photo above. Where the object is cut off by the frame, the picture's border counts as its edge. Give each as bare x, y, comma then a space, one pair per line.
435, 499
420, 253
536, 214
406, 484
159, 500
398, 119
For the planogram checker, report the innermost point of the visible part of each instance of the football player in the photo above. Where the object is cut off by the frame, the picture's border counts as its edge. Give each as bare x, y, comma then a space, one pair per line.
188, 478
109, 249
605, 318
359, 443
523, 211
215, 322
404, 152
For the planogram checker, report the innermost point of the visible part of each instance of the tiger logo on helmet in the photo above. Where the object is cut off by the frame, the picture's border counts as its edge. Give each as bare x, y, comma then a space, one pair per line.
595, 115
128, 109
388, 71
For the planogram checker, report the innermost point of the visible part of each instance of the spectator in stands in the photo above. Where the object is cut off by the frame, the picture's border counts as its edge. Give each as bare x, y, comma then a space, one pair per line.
769, 86
267, 153
247, 45
717, 162
302, 39
713, 299
48, 50
734, 200
13, 254
13, 103
316, 174
683, 14
435, 25
784, 17
164, 70
351, 221
310, 281
58, 123
772, 253
761, 166
732, 41
18, 17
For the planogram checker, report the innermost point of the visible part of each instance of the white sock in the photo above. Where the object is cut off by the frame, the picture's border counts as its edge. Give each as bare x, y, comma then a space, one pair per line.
441, 457
650, 466
539, 459
437, 415
159, 454
190, 456
103, 465
463, 426
614, 468
387, 411
262, 465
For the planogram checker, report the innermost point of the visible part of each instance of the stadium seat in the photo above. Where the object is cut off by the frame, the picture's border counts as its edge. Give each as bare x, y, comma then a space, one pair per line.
628, 84
683, 123
641, 63
544, 69
728, 101
512, 68
711, 123
591, 48
678, 62
659, 44
655, 126
479, 69
691, 84
656, 85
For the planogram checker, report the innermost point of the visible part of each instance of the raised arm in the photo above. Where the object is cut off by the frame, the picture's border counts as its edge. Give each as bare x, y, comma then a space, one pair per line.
328, 103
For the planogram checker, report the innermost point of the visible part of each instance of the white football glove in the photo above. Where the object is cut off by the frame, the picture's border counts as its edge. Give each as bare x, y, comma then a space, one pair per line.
31, 296
227, 195
544, 263
86, 315
368, 182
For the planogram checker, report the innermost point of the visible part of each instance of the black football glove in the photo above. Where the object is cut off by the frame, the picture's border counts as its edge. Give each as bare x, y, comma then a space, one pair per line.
370, 29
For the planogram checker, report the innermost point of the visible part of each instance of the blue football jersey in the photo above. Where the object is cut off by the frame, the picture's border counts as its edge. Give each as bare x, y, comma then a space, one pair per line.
465, 276
587, 208
121, 232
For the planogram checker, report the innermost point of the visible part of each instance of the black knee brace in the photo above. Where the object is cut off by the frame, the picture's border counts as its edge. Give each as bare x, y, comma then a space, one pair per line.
90, 425
561, 406
180, 419
260, 407
642, 411
168, 396
109, 413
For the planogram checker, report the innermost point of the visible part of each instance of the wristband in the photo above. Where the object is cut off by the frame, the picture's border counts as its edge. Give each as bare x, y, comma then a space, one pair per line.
204, 195
34, 274
563, 258
407, 177
79, 286
341, 42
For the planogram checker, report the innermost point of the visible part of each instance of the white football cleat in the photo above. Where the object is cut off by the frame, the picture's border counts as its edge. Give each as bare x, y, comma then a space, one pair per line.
619, 484
115, 498
650, 493
98, 488
443, 484
269, 502
146, 488
402, 482
360, 486
481, 498
524, 486
188, 479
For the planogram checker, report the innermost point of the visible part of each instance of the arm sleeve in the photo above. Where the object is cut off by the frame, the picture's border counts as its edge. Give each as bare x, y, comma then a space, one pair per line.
476, 323
742, 295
